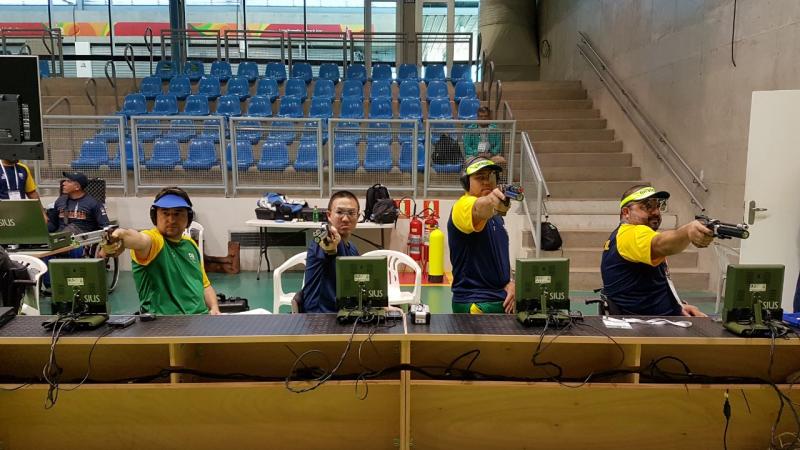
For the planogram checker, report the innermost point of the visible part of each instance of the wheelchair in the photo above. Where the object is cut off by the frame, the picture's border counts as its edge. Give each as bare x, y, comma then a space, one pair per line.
605, 306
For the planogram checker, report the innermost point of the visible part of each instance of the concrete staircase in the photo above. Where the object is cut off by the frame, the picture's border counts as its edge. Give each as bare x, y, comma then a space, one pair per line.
586, 170
75, 90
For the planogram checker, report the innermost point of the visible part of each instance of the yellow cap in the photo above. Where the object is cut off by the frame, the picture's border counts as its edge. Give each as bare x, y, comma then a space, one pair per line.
643, 193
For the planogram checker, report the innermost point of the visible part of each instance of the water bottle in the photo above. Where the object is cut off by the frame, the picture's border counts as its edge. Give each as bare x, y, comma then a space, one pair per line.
315, 215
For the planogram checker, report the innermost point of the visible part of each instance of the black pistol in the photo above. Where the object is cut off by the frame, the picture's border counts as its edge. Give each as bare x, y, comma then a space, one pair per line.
724, 230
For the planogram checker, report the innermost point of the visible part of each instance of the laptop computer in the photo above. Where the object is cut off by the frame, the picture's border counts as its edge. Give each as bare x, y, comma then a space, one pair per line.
22, 222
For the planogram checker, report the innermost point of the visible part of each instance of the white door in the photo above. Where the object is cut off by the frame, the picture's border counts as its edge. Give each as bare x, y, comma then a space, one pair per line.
772, 186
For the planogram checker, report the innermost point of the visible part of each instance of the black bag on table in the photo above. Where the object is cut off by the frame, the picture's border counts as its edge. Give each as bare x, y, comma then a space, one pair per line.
380, 207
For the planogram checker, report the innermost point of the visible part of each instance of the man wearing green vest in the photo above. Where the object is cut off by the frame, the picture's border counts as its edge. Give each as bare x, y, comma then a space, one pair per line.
167, 268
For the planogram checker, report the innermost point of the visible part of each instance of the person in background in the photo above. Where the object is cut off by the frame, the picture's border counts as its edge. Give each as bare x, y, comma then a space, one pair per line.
75, 210
484, 140
16, 181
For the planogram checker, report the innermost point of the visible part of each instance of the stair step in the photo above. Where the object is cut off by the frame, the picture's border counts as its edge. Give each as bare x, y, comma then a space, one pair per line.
590, 257
568, 135
522, 114
591, 173
685, 279
582, 206
605, 222
577, 147
562, 124
584, 159
522, 104
584, 238
547, 94
515, 86
590, 189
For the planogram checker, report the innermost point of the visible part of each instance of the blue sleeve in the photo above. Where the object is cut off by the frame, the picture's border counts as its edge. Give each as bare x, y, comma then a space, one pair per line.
100, 216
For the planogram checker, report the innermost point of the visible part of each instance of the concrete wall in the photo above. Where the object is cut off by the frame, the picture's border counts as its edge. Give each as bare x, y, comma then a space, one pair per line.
674, 56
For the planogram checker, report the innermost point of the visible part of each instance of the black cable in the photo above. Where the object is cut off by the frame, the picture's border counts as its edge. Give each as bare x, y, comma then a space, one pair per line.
325, 377
733, 34
726, 411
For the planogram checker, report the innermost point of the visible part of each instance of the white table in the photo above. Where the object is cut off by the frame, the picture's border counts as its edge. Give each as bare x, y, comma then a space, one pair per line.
264, 225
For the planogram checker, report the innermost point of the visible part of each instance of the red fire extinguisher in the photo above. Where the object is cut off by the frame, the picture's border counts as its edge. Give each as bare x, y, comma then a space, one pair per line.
431, 223
415, 237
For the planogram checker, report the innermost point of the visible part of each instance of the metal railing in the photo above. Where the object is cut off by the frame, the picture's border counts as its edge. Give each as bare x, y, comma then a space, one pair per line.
64, 100
656, 139
450, 40
55, 48
148, 33
362, 152
276, 153
92, 144
255, 44
535, 186
129, 60
449, 142
92, 101
184, 39
373, 47
112, 80
488, 67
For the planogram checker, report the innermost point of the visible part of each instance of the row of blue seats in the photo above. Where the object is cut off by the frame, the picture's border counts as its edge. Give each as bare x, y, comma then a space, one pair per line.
274, 156
209, 86
195, 70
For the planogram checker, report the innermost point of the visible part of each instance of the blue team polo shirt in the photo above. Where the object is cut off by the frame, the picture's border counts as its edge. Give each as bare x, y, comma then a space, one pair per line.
319, 288
481, 268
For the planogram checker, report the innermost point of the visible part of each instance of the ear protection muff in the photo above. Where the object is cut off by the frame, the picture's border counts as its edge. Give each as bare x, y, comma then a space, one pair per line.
464, 179
174, 191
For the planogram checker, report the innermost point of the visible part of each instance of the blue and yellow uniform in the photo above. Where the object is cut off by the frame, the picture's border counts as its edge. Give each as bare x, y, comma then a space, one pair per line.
635, 281
479, 256
16, 178
319, 286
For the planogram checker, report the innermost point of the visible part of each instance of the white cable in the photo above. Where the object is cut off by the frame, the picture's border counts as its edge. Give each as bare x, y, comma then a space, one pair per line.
677, 323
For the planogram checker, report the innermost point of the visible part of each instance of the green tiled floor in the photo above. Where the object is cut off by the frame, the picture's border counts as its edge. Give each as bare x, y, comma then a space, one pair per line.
259, 293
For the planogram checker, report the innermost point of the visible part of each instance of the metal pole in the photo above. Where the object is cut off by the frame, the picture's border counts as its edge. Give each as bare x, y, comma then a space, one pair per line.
244, 19
110, 30
50, 14
305, 30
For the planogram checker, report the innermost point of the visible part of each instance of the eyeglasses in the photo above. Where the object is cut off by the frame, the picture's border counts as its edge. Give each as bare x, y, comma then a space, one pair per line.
351, 213
652, 204
485, 176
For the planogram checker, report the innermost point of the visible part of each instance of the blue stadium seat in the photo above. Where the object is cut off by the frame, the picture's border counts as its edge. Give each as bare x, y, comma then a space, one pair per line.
248, 70
165, 70
296, 87
228, 105
406, 156
166, 155
321, 109
440, 109
353, 88
150, 87
324, 89
438, 89
464, 89
195, 70
380, 108
380, 131
210, 130
221, 70
411, 109
114, 163
165, 105
307, 156
290, 107
196, 105
329, 71
276, 71
282, 132
147, 130
407, 72
434, 72
269, 88
303, 71
180, 87
274, 157
378, 157
260, 106
248, 130
240, 87
209, 86
244, 155
345, 157
357, 72
352, 108
94, 153
468, 109
181, 130
380, 89
381, 72
202, 155
409, 89
134, 105
460, 72
109, 132
44, 68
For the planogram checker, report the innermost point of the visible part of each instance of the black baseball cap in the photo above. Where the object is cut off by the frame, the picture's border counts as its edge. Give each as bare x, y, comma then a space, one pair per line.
78, 177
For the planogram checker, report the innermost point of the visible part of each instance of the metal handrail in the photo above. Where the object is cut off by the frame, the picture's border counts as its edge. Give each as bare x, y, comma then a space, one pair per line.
25, 47
649, 131
92, 101
541, 192
112, 80
149, 45
490, 67
129, 59
45, 34
55, 104
498, 95
507, 113
255, 37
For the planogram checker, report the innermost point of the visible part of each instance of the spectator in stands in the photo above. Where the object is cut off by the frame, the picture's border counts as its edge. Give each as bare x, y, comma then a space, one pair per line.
478, 243
484, 143
634, 267
319, 290
75, 210
167, 268
17, 181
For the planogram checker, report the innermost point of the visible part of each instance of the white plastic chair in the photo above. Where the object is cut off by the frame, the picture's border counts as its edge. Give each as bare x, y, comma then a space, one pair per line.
36, 268
278, 296
195, 231
393, 261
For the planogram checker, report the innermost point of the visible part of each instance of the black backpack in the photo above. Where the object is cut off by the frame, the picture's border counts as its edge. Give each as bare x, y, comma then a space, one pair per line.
551, 238
446, 151
380, 207
14, 278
